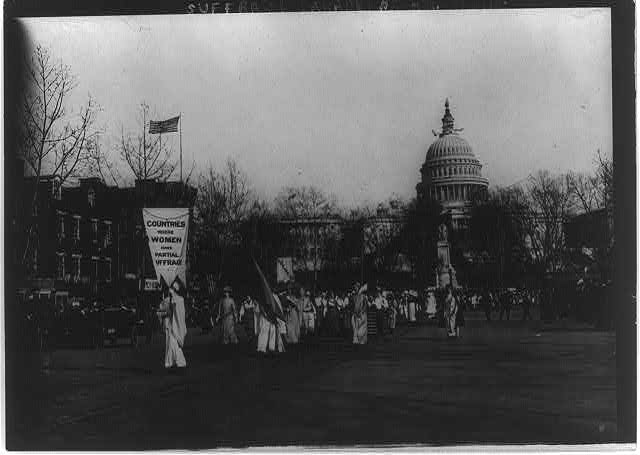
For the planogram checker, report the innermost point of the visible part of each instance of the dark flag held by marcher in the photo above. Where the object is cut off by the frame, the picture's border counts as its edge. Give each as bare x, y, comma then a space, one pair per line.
164, 126
269, 304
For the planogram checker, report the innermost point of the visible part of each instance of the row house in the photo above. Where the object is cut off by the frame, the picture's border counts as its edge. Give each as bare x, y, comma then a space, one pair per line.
88, 240
70, 234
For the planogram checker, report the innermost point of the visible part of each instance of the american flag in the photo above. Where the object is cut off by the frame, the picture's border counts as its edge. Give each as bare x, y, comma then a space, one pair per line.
270, 305
164, 126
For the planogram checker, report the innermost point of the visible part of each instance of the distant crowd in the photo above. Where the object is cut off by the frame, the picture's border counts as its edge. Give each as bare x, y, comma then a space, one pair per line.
357, 313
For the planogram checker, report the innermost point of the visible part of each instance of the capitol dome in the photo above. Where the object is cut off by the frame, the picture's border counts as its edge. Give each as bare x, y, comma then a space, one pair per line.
449, 145
451, 174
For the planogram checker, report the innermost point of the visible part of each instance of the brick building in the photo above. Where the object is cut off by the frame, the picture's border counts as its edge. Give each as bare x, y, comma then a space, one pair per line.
87, 240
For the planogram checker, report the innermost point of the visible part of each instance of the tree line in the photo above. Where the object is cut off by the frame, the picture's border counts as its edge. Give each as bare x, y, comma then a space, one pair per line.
513, 231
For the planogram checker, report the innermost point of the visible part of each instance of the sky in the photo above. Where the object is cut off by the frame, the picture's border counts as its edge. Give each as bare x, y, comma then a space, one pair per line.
347, 101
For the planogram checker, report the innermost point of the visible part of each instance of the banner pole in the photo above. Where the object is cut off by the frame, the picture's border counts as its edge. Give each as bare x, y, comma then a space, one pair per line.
144, 140
180, 146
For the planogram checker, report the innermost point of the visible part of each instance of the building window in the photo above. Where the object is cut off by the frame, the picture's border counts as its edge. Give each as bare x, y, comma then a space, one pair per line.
94, 230
91, 197
107, 233
56, 189
76, 262
60, 266
76, 227
94, 266
34, 260
108, 270
60, 225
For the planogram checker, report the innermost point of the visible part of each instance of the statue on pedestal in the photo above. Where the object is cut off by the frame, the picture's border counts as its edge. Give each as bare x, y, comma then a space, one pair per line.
446, 273
442, 233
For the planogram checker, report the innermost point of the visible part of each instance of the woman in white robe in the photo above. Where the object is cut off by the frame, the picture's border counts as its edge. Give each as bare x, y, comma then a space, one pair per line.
293, 320
412, 309
452, 305
269, 333
175, 328
308, 316
227, 314
431, 306
359, 317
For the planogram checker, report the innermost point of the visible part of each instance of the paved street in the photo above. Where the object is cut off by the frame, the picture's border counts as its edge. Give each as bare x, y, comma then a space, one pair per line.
499, 383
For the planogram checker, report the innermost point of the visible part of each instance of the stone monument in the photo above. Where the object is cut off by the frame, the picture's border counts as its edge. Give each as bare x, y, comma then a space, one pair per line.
446, 273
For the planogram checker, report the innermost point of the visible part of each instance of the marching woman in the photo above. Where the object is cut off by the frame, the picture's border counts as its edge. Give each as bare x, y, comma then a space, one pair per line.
309, 315
431, 305
451, 312
269, 330
411, 305
359, 317
172, 314
460, 314
227, 313
294, 317
306, 309
393, 313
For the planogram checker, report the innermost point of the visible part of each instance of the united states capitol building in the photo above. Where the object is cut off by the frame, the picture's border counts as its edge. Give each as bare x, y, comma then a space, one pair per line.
451, 173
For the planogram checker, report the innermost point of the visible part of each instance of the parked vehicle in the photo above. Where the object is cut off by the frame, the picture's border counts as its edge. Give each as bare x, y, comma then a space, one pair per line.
120, 321
200, 316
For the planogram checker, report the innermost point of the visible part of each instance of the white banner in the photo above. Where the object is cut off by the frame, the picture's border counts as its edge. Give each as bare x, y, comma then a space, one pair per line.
167, 230
284, 270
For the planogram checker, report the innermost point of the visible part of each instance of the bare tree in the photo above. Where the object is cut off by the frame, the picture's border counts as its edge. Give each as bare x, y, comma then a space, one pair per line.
548, 207
497, 233
312, 242
604, 174
382, 232
53, 139
225, 200
382, 242
225, 197
592, 191
145, 155
101, 164
585, 196
304, 202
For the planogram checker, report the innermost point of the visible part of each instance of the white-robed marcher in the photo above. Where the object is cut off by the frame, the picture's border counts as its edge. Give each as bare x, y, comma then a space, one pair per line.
227, 314
173, 314
269, 332
294, 317
308, 315
411, 306
431, 306
359, 317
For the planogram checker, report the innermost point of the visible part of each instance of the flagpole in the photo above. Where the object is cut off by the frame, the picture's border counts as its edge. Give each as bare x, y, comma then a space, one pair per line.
144, 139
180, 146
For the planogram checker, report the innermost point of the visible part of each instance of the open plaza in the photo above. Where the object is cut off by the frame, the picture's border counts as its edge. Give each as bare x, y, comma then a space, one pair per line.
501, 382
